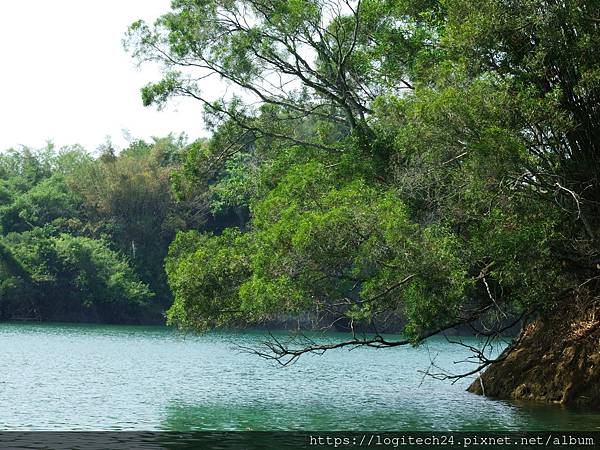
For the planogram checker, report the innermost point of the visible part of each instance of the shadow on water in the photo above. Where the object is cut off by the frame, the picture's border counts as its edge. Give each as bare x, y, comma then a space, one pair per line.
264, 418
515, 416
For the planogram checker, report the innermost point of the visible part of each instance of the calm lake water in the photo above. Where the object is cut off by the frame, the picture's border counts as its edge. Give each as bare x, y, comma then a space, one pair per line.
82, 377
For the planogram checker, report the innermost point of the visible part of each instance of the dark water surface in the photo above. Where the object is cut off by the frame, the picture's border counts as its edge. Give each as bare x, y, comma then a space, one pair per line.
90, 377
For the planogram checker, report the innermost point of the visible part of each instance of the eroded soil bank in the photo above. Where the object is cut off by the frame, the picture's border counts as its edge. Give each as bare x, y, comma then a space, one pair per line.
557, 359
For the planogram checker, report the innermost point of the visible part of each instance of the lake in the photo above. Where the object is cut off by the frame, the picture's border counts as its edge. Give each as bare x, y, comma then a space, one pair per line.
97, 377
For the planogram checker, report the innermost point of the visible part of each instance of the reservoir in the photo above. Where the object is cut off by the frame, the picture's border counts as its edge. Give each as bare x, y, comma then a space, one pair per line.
98, 377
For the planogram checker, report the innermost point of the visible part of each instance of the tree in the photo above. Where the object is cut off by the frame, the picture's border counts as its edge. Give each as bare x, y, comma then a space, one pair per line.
127, 199
543, 54
431, 160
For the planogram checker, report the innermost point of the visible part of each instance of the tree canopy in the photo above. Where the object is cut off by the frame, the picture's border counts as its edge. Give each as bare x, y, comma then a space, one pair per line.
434, 161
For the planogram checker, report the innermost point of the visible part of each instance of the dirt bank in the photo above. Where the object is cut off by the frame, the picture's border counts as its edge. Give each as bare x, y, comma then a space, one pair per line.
557, 359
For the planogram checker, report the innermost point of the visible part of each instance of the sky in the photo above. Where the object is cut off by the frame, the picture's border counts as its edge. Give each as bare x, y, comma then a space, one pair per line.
65, 77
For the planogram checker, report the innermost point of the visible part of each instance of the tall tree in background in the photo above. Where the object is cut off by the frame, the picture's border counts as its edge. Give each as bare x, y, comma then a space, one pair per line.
129, 197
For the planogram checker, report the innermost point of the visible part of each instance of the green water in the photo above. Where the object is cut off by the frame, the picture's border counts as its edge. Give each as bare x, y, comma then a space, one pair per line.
77, 377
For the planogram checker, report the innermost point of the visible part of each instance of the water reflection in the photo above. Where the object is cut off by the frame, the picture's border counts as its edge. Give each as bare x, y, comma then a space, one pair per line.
495, 415
90, 377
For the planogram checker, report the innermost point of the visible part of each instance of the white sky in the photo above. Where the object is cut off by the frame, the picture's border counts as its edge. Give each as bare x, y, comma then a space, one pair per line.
65, 77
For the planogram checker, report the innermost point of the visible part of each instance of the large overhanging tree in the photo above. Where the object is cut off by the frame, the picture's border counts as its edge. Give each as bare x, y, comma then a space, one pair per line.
433, 161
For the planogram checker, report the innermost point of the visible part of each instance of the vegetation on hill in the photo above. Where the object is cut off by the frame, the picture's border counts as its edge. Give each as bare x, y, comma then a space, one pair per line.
84, 238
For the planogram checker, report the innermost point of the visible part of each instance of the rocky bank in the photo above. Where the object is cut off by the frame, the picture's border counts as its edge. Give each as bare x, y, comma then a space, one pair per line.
557, 359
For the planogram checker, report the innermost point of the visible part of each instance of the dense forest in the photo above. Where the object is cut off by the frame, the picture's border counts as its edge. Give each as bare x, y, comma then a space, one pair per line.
434, 162
83, 237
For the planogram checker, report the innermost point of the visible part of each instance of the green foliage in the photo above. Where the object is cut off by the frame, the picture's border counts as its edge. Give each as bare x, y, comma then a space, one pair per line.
73, 278
128, 198
205, 272
47, 201
424, 162
441, 164
315, 242
84, 239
